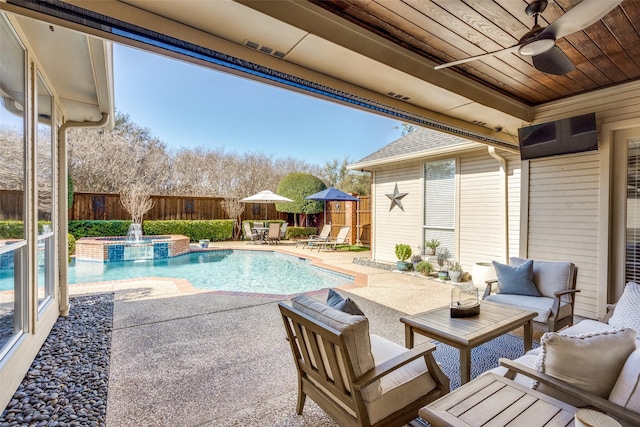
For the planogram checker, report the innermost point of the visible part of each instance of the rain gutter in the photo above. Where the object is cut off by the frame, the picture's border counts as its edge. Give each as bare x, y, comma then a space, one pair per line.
63, 209
504, 191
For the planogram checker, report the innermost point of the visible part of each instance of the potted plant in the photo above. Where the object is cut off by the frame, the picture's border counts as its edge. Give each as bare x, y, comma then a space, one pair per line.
403, 253
455, 272
415, 259
442, 258
424, 267
431, 246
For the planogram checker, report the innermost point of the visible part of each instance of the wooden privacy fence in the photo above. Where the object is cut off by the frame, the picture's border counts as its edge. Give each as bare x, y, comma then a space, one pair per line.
356, 215
106, 206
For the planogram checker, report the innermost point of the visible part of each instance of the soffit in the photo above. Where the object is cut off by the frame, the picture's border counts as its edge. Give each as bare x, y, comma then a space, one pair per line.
79, 73
289, 30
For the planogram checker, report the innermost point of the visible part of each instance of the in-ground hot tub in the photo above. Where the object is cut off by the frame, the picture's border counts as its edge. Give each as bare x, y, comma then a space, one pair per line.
121, 249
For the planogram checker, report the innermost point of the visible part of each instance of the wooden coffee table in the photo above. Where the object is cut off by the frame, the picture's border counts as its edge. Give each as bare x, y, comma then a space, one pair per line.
469, 332
497, 401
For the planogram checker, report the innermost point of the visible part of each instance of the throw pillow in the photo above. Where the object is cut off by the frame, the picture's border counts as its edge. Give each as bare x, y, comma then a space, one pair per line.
335, 300
591, 362
516, 280
627, 311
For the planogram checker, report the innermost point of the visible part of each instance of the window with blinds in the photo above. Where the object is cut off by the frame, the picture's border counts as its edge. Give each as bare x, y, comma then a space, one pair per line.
440, 203
632, 252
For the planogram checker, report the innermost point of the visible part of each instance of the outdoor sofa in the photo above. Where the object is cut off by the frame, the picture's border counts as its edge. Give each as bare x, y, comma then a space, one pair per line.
592, 363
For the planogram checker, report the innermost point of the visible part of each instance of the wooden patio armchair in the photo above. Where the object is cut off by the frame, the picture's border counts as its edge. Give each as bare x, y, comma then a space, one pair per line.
556, 283
357, 378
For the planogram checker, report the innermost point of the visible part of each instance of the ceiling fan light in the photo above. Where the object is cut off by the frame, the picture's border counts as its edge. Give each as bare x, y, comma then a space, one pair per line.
536, 47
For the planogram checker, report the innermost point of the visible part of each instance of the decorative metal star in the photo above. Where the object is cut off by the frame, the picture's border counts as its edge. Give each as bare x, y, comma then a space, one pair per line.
396, 198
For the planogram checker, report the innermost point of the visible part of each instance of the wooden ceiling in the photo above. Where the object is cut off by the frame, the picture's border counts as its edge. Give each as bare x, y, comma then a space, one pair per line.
605, 54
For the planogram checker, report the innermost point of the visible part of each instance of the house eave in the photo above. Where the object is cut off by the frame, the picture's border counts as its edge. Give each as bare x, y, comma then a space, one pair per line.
369, 165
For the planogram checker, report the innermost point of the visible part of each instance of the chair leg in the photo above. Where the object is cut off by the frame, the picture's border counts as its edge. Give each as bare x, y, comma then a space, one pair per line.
301, 399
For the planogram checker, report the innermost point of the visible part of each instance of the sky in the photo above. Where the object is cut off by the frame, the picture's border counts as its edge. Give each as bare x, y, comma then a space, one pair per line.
188, 106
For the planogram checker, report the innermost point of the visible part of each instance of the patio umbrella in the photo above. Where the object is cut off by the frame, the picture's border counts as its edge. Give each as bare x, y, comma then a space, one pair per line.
265, 196
331, 194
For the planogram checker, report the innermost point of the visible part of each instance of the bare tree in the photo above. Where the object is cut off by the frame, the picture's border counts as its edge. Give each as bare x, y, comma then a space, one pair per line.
108, 160
137, 201
234, 209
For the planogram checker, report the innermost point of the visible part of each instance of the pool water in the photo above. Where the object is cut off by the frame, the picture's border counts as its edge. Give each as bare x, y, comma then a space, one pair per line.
228, 270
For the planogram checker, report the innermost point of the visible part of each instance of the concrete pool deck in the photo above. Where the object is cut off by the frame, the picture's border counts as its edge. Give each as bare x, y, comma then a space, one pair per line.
186, 357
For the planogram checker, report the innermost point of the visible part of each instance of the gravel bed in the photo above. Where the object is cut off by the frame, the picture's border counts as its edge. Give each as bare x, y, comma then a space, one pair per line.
66, 384
368, 262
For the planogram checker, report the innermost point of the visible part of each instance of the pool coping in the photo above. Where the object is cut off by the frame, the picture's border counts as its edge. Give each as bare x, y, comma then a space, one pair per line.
185, 287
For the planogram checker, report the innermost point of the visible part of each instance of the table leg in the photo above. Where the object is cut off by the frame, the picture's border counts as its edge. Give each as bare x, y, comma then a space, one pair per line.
408, 336
528, 335
465, 365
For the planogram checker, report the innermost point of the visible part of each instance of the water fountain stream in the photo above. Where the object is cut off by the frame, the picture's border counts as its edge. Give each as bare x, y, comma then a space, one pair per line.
137, 248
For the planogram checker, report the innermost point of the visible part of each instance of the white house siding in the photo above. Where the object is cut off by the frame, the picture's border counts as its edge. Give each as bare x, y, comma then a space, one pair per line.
397, 226
481, 208
587, 229
564, 217
480, 216
479, 213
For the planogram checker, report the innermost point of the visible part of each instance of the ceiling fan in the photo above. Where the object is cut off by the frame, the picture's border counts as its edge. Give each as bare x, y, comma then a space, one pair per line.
539, 43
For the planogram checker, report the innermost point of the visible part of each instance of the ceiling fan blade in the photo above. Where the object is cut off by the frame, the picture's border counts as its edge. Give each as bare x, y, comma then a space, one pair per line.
582, 15
553, 61
473, 58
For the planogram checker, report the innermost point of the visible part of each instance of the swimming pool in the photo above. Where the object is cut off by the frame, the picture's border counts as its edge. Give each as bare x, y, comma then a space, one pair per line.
265, 272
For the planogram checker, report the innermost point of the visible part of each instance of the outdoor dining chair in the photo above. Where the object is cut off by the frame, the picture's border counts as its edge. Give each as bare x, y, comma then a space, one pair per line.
249, 234
273, 235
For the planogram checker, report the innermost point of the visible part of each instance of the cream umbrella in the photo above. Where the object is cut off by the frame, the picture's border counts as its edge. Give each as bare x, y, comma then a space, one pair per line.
265, 196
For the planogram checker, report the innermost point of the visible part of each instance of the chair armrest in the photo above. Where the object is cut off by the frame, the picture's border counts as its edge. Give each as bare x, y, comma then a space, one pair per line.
392, 364
555, 308
568, 389
565, 292
487, 290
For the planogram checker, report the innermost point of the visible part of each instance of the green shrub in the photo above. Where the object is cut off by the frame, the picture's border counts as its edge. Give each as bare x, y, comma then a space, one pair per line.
214, 230
98, 228
301, 232
14, 229
72, 243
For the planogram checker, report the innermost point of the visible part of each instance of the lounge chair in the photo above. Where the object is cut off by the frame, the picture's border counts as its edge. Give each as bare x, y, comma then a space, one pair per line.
273, 235
258, 224
283, 231
341, 239
250, 234
324, 235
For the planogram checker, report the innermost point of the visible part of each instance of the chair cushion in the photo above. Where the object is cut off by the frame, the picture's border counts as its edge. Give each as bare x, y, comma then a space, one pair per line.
541, 305
516, 280
626, 391
335, 300
356, 335
549, 276
627, 311
591, 362
400, 387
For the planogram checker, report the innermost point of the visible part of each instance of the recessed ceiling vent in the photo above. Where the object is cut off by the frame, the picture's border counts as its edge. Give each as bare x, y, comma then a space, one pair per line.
398, 96
264, 49
479, 123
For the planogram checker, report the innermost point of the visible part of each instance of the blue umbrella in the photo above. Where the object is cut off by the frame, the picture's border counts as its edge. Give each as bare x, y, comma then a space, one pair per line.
331, 194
